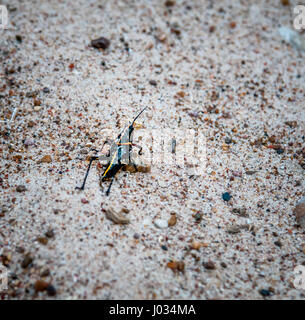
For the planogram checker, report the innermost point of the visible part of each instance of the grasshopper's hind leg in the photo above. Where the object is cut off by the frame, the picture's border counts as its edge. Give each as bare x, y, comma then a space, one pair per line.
86, 175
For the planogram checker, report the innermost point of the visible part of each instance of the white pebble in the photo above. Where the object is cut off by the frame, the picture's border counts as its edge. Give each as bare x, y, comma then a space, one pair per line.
160, 223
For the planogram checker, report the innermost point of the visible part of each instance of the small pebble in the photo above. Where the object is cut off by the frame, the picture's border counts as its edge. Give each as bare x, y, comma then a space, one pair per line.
264, 292
45, 273
193, 114
161, 224
228, 140
28, 142
212, 29
226, 196
136, 236
50, 234
196, 245
232, 25
26, 261
299, 212
45, 159
172, 220
21, 188
18, 38
32, 94
237, 174
242, 212
20, 249
285, 2
210, 265
51, 290
169, 3
100, 43
116, 217
233, 229
250, 172
292, 124
176, 266
42, 240
153, 83
40, 285
278, 243
37, 103
3, 210
198, 217
164, 248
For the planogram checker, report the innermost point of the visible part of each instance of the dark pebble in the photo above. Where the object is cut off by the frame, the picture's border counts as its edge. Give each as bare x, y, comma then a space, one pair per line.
42, 240
210, 265
3, 210
51, 290
45, 273
228, 140
280, 151
46, 90
14, 276
164, 248
100, 43
20, 249
242, 212
278, 243
153, 82
198, 217
136, 236
50, 234
19, 38
40, 285
250, 172
26, 262
212, 29
264, 292
169, 3
21, 188
226, 196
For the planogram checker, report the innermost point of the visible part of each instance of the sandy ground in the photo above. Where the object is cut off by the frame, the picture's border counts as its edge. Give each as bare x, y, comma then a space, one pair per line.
220, 68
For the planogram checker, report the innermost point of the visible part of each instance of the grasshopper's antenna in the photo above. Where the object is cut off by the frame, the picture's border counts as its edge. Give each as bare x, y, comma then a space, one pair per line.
139, 115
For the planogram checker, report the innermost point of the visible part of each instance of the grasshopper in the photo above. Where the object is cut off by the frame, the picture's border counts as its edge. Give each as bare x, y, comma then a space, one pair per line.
120, 150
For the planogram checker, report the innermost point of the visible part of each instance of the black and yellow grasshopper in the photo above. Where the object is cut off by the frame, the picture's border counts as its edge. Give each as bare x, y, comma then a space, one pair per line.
119, 154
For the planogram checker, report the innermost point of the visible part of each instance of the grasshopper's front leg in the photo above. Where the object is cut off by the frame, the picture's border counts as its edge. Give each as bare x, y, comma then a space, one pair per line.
87, 173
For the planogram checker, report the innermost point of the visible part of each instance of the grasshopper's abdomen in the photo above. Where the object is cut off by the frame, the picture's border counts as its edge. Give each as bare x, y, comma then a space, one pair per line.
111, 171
